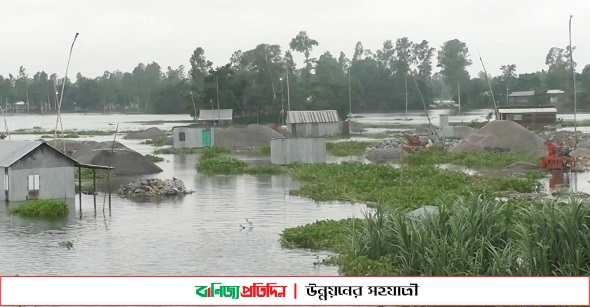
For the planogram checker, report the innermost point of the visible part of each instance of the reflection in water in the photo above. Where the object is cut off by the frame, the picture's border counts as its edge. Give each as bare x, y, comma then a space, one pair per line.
195, 235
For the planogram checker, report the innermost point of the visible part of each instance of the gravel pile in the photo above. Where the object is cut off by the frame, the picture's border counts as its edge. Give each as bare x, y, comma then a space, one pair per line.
389, 149
154, 187
503, 135
150, 133
568, 136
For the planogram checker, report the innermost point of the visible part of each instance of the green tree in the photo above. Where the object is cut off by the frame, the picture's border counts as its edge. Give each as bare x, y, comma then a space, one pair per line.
453, 59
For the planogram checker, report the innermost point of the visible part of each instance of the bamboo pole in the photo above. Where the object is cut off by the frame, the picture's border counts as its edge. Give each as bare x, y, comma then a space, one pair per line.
62, 95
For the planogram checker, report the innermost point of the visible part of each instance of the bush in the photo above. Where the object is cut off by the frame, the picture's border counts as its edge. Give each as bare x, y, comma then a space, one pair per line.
154, 158
471, 236
347, 148
215, 160
41, 208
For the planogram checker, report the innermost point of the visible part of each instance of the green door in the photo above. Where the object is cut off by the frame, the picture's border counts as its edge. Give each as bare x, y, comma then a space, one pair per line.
206, 138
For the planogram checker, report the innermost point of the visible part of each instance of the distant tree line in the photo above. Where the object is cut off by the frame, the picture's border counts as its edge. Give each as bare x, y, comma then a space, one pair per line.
254, 82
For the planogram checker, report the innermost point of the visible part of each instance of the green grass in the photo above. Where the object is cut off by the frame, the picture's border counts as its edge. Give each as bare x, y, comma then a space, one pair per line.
264, 150
79, 133
571, 123
405, 187
376, 135
347, 148
470, 236
41, 208
473, 160
154, 158
177, 151
156, 141
216, 161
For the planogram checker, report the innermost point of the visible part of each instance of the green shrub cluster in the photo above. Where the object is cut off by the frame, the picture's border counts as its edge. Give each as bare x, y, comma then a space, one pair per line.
41, 208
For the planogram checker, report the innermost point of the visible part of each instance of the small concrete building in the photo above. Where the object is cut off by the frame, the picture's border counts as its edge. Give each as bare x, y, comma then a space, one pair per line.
314, 123
34, 169
221, 117
193, 136
530, 117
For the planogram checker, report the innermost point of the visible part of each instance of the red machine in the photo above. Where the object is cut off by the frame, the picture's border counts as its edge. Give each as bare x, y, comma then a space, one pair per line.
413, 143
558, 157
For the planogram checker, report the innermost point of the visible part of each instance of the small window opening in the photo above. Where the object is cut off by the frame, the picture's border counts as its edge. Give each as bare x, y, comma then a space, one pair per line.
181, 136
33, 185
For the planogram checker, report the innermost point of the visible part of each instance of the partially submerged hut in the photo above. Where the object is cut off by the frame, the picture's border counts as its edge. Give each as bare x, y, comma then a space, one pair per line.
214, 117
320, 123
35, 169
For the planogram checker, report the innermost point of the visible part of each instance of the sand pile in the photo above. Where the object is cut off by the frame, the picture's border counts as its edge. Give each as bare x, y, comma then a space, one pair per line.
503, 135
125, 161
150, 133
242, 137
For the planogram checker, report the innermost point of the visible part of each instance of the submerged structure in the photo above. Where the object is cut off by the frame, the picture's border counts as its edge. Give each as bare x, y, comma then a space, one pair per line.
305, 150
35, 169
322, 123
193, 136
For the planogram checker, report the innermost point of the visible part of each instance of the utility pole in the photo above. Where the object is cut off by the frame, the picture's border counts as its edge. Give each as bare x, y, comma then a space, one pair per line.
349, 95
288, 95
406, 96
282, 104
459, 95
573, 77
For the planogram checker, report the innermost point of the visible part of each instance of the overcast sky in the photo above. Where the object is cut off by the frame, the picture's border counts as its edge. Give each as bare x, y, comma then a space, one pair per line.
119, 34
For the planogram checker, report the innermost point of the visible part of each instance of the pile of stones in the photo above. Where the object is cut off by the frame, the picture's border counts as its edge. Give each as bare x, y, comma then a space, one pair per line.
154, 187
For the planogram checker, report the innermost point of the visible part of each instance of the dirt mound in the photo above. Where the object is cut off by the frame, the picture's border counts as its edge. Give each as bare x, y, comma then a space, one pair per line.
464, 131
505, 135
150, 133
125, 161
242, 137
72, 146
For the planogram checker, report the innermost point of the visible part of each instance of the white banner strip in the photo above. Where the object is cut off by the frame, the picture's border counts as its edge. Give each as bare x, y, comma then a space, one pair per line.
293, 291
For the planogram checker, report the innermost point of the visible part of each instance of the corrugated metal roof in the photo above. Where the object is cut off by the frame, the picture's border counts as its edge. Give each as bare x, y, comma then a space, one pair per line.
304, 117
223, 114
528, 110
522, 94
555, 92
12, 151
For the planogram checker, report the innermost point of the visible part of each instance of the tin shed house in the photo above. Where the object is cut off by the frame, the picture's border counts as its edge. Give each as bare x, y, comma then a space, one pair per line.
314, 123
221, 117
530, 117
35, 170
193, 136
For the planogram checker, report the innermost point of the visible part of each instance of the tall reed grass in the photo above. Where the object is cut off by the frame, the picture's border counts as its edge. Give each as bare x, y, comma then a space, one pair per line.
476, 236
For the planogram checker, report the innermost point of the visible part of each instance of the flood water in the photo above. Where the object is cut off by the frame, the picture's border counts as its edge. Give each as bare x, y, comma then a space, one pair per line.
196, 235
